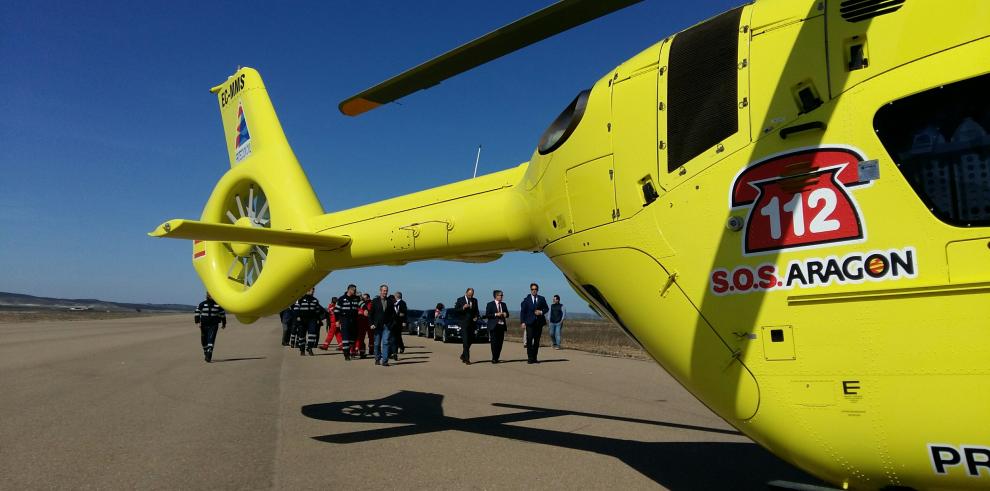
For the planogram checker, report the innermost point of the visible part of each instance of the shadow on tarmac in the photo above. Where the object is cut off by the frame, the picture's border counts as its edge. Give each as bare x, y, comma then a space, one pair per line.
520, 360
222, 360
676, 465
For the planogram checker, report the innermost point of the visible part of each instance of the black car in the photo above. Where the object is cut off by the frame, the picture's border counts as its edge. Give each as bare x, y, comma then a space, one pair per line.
481, 334
423, 325
442, 331
452, 332
412, 315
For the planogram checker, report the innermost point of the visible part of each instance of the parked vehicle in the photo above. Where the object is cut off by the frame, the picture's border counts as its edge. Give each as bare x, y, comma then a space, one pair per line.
481, 334
422, 325
452, 332
437, 324
412, 315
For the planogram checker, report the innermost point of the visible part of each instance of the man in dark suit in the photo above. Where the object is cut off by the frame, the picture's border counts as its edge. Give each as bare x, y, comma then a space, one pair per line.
381, 320
401, 324
466, 309
497, 314
533, 317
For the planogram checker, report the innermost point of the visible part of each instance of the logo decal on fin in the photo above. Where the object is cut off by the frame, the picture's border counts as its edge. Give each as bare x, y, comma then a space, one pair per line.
242, 141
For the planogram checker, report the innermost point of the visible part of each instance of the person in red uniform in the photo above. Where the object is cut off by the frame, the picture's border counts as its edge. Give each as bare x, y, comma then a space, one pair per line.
332, 330
363, 329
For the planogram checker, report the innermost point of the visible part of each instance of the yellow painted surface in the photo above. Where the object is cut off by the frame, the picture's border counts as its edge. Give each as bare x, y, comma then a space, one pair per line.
634, 129
590, 193
874, 373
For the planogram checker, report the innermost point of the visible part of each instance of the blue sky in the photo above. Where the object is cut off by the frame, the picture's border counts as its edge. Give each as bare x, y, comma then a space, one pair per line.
108, 128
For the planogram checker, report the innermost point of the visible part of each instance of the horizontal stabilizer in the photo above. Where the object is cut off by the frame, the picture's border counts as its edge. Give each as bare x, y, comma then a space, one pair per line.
192, 229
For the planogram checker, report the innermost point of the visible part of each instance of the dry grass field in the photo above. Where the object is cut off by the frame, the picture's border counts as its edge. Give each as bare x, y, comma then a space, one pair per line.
595, 336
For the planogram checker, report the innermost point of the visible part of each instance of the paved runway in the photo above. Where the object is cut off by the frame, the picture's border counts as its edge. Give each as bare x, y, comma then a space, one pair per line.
129, 403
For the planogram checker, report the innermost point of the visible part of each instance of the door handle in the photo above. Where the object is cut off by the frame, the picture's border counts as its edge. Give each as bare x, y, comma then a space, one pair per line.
790, 130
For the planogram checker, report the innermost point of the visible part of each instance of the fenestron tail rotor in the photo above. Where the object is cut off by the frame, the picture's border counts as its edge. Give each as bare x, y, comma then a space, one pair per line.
248, 260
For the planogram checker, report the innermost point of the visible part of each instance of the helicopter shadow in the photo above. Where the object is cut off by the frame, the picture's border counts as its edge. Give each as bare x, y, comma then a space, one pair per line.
521, 360
675, 465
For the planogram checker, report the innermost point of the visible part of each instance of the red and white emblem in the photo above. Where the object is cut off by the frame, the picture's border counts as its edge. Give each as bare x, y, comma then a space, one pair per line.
800, 199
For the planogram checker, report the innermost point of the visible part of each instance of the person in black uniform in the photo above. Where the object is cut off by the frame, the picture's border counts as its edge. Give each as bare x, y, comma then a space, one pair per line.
346, 312
497, 313
381, 321
309, 315
400, 325
466, 310
209, 315
288, 325
532, 313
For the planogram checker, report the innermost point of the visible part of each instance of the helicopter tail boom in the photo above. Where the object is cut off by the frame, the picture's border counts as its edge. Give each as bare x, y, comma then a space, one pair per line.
473, 221
263, 239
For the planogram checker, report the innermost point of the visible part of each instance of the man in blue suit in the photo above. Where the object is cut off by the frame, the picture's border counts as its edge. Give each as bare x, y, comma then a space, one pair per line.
533, 316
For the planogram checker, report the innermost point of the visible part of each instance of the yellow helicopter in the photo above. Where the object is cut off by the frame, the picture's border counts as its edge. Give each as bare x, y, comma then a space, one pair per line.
787, 206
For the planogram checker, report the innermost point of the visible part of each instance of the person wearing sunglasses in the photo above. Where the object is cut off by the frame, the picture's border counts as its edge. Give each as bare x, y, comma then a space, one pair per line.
533, 317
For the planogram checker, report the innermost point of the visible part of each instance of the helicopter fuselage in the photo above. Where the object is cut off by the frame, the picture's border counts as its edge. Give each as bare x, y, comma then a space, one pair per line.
787, 206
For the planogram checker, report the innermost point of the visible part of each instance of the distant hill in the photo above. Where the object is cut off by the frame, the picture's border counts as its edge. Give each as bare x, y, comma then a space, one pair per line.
20, 301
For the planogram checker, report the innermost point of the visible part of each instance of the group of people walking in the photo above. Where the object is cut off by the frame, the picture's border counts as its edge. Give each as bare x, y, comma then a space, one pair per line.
533, 314
362, 325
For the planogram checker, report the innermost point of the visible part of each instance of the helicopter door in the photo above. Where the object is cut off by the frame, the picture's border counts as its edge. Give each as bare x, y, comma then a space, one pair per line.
634, 132
590, 193
703, 89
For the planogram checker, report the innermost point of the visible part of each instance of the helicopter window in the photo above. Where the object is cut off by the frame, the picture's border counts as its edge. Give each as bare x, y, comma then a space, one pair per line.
702, 88
564, 125
939, 141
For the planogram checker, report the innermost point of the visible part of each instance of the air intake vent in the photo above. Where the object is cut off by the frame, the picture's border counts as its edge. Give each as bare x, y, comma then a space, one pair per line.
857, 10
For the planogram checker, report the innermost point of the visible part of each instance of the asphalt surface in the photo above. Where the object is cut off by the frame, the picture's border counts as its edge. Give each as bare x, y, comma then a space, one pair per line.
130, 403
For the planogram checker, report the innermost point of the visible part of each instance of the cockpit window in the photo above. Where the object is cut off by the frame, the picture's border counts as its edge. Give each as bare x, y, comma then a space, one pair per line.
564, 125
939, 140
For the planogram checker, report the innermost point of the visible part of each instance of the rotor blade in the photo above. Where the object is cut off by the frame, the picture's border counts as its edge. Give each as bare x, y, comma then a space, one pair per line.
255, 268
231, 216
240, 207
264, 208
250, 209
533, 28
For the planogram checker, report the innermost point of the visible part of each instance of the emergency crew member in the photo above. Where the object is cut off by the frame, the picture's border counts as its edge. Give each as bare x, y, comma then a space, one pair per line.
209, 315
288, 327
346, 313
308, 314
332, 329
